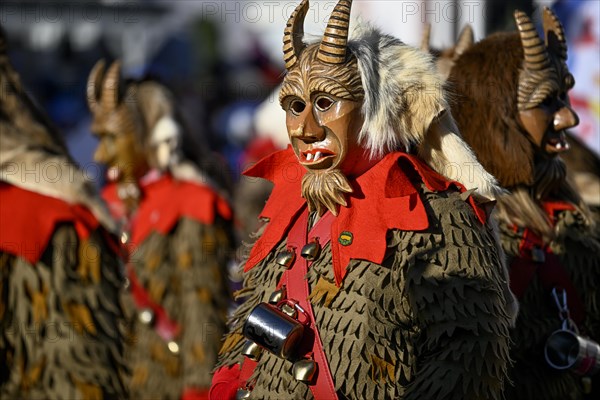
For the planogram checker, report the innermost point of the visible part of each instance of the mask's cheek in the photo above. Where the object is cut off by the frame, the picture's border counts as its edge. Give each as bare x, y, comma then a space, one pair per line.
536, 122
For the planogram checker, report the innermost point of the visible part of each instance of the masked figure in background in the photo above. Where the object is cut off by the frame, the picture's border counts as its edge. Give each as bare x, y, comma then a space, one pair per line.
374, 276
177, 228
582, 164
513, 108
59, 264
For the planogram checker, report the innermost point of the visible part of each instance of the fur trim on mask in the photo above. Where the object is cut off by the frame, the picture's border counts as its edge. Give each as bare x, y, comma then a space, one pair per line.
405, 109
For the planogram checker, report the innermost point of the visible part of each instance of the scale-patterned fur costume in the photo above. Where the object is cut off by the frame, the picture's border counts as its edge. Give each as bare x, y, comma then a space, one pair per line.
59, 319
181, 266
59, 274
429, 322
541, 201
177, 230
579, 254
410, 295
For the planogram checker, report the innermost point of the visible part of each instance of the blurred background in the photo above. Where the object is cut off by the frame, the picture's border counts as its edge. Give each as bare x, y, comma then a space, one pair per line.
223, 58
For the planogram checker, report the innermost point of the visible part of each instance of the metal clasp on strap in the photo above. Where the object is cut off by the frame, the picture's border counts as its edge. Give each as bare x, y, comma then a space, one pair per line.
560, 299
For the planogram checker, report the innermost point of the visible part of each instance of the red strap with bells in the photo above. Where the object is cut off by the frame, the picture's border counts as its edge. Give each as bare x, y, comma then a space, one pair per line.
297, 289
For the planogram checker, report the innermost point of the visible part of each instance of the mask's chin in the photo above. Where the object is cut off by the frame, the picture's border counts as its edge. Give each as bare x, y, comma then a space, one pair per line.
325, 190
550, 174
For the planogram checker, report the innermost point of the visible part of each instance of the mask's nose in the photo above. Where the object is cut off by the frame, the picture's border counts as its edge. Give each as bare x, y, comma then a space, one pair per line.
565, 118
309, 129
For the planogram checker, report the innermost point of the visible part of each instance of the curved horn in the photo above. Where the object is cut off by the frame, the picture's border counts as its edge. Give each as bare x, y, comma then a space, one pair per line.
110, 88
93, 85
557, 42
425, 39
292, 35
534, 51
466, 38
333, 46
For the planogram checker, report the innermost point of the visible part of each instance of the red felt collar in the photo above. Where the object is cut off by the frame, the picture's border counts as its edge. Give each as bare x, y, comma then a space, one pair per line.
28, 220
385, 197
165, 201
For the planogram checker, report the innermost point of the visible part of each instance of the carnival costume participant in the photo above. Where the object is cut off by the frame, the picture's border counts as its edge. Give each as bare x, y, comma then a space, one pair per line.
374, 276
60, 273
582, 164
512, 106
176, 225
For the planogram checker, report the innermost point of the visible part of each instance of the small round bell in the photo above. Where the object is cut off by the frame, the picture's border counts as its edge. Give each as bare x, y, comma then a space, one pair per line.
146, 316
251, 350
124, 238
311, 251
242, 394
286, 258
277, 296
304, 370
173, 347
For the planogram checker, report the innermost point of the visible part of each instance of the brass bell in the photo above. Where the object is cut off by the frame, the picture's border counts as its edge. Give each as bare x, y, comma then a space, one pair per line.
242, 394
311, 251
277, 296
146, 316
124, 237
304, 370
286, 258
251, 350
289, 310
173, 347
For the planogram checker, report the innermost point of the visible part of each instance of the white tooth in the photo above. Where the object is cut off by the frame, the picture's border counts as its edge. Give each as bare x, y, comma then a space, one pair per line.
318, 155
308, 157
558, 146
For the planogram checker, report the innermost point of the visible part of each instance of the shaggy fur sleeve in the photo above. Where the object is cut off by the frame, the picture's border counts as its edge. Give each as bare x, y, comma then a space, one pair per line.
455, 286
59, 319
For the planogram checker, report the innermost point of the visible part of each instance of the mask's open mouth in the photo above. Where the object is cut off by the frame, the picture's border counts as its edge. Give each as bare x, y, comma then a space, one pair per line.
317, 157
557, 143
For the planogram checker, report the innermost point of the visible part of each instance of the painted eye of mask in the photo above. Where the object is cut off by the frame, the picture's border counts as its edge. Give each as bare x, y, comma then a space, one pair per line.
297, 107
324, 103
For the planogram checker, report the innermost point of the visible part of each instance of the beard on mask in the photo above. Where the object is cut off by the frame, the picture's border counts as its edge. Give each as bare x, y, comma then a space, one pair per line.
325, 190
549, 177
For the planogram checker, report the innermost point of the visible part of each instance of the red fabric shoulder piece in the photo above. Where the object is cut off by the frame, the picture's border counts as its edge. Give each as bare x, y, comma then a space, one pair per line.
28, 220
115, 206
385, 197
166, 200
437, 182
278, 167
281, 168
